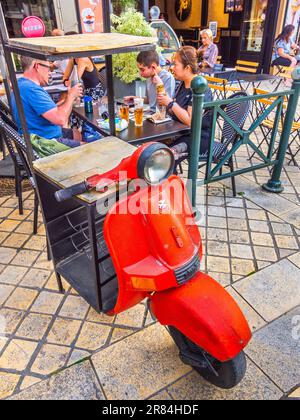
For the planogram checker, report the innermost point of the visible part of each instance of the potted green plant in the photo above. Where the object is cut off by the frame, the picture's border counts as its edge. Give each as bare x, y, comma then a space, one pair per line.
126, 74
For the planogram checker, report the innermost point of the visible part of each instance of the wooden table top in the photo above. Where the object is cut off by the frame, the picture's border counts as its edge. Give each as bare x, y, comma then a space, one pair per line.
74, 166
136, 135
82, 42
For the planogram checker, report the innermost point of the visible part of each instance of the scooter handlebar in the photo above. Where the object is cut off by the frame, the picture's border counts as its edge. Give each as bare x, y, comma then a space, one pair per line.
68, 193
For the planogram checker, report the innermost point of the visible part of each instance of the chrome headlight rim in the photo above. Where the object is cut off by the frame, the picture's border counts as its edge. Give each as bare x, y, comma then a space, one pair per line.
147, 154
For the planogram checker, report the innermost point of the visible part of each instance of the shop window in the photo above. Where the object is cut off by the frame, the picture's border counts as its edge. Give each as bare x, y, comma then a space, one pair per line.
254, 25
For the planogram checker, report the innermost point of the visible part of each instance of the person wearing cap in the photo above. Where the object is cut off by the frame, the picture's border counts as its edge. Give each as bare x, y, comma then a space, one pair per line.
208, 52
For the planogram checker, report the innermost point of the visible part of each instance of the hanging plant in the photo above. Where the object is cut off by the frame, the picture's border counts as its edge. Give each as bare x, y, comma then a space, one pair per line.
129, 23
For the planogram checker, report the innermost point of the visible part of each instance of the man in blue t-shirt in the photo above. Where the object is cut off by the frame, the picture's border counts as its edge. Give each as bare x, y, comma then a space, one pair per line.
44, 118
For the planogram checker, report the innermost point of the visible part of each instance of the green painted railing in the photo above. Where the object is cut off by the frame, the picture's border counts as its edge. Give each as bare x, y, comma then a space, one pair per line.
213, 169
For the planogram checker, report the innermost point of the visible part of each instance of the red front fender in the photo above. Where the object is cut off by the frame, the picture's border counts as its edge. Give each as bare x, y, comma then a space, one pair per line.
204, 312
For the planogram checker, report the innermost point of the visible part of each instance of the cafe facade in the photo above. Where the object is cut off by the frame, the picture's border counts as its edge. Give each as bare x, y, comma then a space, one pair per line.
245, 29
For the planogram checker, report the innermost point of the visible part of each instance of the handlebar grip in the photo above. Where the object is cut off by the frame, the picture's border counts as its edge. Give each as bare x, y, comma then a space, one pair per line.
68, 193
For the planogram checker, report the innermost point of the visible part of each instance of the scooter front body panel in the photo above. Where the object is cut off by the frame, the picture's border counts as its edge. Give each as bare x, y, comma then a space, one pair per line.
204, 312
152, 236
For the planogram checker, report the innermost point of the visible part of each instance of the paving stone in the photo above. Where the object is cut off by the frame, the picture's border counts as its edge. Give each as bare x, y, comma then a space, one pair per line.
37, 243
25, 258
286, 242
7, 254
93, 336
161, 396
216, 211
34, 326
52, 284
47, 303
28, 381
242, 267
276, 350
295, 394
262, 264
16, 240
241, 251
262, 239
74, 307
3, 342
140, 365
295, 259
50, 359
273, 291
273, 203
256, 214
214, 234
222, 278
233, 223
43, 262
25, 227
17, 355
9, 225
11, 202
2, 267
265, 254
15, 215
120, 333
35, 278
134, 317
239, 237
218, 264
4, 212
217, 222
216, 201
235, 202
255, 321
3, 236
236, 213
12, 275
8, 382
76, 383
21, 299
255, 386
10, 319
219, 249
282, 229
286, 253
93, 316
64, 331
78, 356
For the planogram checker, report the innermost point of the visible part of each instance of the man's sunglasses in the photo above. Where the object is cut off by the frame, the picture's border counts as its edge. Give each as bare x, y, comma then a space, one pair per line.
44, 65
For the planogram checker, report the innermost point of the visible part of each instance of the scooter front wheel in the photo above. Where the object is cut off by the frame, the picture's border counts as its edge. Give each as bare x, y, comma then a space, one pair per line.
224, 375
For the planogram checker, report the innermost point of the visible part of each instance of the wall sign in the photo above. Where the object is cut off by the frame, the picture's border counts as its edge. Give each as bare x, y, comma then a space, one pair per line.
33, 27
91, 19
183, 9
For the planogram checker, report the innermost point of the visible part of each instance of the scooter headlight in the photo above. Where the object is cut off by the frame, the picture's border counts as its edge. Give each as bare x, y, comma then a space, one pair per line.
156, 164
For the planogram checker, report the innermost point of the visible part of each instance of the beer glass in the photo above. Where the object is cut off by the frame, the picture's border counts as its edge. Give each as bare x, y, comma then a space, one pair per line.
139, 112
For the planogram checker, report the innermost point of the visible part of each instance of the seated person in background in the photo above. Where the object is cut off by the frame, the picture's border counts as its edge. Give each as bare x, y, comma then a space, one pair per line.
284, 45
44, 118
208, 52
149, 66
88, 73
180, 106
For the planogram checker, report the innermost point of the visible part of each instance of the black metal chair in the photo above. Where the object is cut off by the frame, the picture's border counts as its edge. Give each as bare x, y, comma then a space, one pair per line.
238, 113
17, 150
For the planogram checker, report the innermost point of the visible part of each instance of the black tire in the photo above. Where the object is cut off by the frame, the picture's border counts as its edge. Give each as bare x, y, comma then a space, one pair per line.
225, 375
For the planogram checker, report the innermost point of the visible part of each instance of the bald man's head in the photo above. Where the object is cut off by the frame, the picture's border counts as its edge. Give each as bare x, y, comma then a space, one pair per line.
57, 32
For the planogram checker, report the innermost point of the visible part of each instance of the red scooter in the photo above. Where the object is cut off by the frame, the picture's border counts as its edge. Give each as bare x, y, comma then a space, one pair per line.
156, 249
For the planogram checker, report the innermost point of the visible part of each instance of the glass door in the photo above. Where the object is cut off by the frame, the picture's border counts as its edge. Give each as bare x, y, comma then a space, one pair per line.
254, 26
16, 10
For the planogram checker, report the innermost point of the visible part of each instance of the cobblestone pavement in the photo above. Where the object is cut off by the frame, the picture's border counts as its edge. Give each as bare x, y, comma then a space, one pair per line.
55, 346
